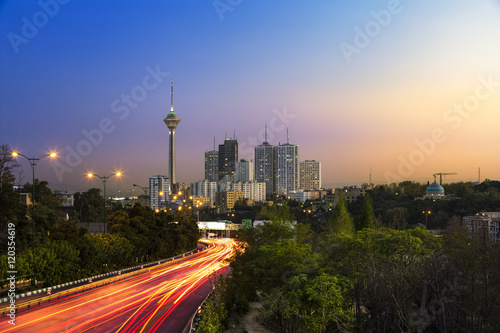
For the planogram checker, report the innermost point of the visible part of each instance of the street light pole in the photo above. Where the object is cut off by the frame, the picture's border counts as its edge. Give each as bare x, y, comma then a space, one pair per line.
426, 212
33, 162
104, 179
145, 189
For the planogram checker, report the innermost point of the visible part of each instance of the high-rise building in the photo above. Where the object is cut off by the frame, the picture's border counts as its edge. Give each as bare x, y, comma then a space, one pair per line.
310, 175
264, 166
243, 171
205, 188
251, 190
212, 165
286, 169
228, 156
171, 121
159, 188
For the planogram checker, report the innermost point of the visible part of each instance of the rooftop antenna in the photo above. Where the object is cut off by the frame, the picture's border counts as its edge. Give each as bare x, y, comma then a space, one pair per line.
214, 142
225, 137
265, 133
172, 97
234, 135
287, 140
370, 175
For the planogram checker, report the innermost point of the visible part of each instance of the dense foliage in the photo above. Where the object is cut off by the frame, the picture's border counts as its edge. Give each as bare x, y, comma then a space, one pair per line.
372, 280
400, 205
60, 251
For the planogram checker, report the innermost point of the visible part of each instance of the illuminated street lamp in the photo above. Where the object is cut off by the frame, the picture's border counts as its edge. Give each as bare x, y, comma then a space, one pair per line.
427, 213
33, 162
104, 179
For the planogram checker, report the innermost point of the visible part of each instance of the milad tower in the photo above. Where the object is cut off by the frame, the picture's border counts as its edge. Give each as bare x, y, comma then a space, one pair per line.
171, 121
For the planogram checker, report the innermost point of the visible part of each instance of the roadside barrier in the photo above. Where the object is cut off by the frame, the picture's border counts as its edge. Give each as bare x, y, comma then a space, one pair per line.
87, 283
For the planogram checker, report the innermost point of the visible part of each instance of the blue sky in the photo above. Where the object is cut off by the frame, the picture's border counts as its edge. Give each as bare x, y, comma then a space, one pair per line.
239, 65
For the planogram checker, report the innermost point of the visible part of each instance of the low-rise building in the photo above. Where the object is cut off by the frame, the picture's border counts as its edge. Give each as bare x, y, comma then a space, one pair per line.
226, 200
484, 224
66, 200
317, 194
25, 199
351, 193
301, 196
201, 201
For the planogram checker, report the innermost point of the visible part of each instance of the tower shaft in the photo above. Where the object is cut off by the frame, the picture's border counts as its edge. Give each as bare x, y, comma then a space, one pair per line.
171, 156
171, 121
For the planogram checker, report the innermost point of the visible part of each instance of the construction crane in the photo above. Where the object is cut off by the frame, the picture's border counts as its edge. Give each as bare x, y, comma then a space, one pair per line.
441, 174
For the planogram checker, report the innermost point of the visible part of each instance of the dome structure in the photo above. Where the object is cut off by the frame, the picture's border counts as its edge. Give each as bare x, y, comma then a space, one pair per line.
434, 190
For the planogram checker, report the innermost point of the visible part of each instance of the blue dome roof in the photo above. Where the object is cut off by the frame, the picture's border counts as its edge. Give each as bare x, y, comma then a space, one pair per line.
434, 189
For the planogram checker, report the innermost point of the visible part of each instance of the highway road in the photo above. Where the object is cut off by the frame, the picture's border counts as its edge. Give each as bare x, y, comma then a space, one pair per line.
162, 299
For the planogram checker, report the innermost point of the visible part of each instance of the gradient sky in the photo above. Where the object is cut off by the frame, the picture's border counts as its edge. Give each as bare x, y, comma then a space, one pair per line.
238, 65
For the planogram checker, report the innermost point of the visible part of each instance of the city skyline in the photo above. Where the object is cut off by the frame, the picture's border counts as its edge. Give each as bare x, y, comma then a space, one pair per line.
406, 88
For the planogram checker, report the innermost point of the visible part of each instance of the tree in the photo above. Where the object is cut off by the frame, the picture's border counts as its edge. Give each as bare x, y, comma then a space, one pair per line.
118, 223
7, 165
340, 221
55, 263
67, 230
241, 204
88, 205
43, 194
13, 211
214, 315
318, 302
412, 189
105, 252
397, 218
384, 266
367, 219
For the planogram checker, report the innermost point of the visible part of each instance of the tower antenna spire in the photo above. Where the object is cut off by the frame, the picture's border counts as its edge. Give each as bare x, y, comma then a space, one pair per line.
287, 138
214, 142
265, 133
172, 96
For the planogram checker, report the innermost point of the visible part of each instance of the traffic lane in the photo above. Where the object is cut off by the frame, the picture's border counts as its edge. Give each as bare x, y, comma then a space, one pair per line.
106, 307
179, 320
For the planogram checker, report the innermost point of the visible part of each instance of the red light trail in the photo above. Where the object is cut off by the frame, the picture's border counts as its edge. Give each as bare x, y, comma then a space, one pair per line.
159, 299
